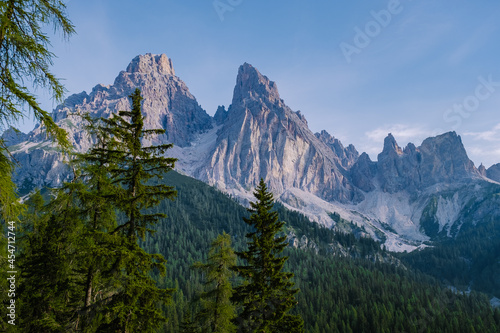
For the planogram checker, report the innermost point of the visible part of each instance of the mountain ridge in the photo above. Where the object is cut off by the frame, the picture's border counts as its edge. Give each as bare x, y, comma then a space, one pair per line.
401, 198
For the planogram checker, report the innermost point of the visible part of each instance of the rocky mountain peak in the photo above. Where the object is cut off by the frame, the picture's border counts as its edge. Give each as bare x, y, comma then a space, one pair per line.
347, 155
441, 159
390, 145
363, 171
151, 63
482, 170
493, 172
447, 152
251, 84
261, 137
11, 136
220, 115
448, 140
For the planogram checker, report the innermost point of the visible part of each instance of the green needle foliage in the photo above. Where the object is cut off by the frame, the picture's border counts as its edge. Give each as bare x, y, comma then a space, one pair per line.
136, 165
96, 200
217, 309
10, 208
49, 284
100, 278
134, 306
267, 293
25, 58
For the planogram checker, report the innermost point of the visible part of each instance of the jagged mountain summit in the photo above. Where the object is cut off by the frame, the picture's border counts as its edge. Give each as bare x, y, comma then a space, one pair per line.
440, 159
261, 137
167, 103
405, 198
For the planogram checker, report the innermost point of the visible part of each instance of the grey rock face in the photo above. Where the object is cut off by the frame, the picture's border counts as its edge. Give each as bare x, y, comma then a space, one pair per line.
263, 138
40, 168
303, 243
482, 170
363, 172
12, 137
444, 159
440, 159
167, 103
493, 172
347, 156
398, 169
220, 115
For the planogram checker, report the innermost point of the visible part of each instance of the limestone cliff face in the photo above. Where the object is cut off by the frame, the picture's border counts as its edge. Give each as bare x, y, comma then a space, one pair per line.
261, 137
440, 159
363, 172
408, 195
493, 172
346, 156
167, 103
444, 159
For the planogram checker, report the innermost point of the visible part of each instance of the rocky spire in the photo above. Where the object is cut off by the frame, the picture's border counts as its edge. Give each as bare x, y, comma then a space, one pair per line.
250, 84
347, 155
151, 63
390, 145
439, 159
261, 137
482, 170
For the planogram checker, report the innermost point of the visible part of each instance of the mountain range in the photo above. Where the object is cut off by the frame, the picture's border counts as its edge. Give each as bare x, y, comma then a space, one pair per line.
407, 199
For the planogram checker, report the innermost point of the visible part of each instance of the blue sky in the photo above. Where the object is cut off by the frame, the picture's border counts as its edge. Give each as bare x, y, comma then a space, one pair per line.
359, 69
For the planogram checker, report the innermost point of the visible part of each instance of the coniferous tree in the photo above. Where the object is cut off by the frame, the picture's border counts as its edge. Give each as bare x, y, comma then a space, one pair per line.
85, 210
97, 202
10, 208
25, 56
48, 284
136, 165
134, 306
104, 281
267, 293
217, 309
188, 325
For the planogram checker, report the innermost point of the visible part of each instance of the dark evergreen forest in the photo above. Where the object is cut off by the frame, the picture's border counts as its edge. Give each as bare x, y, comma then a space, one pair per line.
356, 293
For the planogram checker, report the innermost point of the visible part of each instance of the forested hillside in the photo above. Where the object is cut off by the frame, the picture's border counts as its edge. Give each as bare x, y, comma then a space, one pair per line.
469, 261
337, 294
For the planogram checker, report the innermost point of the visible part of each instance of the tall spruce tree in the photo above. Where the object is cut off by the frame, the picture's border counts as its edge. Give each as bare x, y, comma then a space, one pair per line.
48, 284
267, 293
217, 310
79, 218
134, 305
97, 201
83, 265
136, 165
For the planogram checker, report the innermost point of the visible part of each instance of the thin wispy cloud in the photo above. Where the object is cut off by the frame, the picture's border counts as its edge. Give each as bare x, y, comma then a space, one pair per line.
401, 132
484, 154
489, 135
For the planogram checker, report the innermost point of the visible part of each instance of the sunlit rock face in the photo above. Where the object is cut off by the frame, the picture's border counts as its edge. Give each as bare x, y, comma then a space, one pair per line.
261, 137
